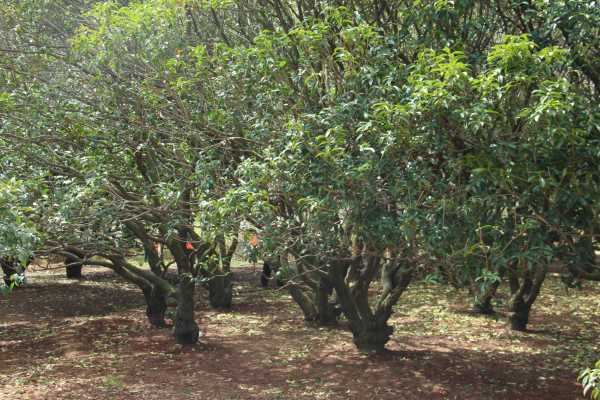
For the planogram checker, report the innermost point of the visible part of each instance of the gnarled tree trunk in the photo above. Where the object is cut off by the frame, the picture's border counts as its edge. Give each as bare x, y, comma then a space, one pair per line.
315, 302
311, 288
369, 326
524, 292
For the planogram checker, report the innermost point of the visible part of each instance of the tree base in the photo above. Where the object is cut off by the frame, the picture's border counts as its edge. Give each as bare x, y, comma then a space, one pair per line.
186, 330
372, 340
186, 333
518, 318
156, 307
74, 272
518, 323
220, 292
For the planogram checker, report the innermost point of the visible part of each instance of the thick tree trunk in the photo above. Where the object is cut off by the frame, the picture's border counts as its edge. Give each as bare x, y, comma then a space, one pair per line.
156, 306
483, 306
73, 271
370, 336
186, 330
154, 288
369, 328
326, 310
315, 303
519, 315
220, 291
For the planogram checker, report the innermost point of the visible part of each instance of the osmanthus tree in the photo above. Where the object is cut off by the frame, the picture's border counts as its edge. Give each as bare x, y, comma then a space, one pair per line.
337, 194
45, 137
337, 131
513, 141
127, 123
335, 76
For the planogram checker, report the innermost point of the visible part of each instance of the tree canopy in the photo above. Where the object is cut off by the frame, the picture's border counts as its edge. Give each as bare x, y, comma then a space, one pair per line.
367, 143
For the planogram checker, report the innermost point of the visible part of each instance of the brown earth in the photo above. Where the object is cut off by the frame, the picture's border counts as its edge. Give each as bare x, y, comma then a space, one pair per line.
62, 339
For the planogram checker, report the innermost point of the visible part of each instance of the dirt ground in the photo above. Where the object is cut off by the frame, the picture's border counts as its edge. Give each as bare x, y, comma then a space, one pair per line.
62, 339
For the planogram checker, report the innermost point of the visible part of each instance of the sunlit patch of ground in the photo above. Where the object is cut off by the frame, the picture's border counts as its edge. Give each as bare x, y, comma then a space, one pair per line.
61, 339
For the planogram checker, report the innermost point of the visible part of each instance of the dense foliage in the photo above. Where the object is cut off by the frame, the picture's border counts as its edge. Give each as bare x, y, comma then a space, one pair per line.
368, 144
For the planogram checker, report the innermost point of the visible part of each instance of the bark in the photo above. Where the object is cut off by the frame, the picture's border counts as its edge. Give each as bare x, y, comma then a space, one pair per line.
317, 306
304, 302
524, 293
73, 263
482, 303
219, 275
220, 291
327, 313
8, 270
270, 268
186, 330
371, 335
73, 271
370, 329
312, 291
155, 292
156, 306
519, 315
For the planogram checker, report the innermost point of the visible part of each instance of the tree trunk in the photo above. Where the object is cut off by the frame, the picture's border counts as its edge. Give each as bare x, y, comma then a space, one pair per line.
370, 336
73, 271
9, 269
314, 301
71, 263
326, 310
156, 306
7, 274
186, 330
304, 302
519, 315
220, 291
483, 299
524, 294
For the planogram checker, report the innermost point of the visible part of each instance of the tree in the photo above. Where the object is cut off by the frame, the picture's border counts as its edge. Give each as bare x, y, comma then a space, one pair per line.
18, 237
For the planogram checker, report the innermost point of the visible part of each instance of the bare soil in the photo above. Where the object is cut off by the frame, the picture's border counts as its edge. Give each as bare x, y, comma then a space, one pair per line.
89, 339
